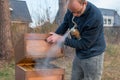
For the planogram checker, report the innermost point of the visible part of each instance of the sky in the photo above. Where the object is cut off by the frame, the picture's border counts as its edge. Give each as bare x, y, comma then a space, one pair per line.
37, 8
109, 4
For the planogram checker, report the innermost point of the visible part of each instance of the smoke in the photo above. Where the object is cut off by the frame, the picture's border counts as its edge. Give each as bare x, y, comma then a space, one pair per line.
56, 47
52, 52
44, 64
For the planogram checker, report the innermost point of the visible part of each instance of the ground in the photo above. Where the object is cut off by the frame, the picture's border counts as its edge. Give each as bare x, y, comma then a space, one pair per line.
111, 65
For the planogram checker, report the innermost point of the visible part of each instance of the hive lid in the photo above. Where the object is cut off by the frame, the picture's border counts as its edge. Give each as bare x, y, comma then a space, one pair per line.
35, 46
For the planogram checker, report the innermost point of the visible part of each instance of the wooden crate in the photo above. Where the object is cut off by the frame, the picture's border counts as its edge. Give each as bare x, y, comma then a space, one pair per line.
23, 73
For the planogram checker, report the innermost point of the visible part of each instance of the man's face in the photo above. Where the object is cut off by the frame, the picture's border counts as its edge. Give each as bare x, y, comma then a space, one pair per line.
77, 8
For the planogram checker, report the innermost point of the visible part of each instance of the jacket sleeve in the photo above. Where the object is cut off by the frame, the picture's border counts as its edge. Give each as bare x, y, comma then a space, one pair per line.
90, 33
64, 26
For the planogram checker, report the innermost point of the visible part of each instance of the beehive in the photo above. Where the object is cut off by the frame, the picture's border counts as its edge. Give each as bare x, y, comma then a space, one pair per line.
36, 48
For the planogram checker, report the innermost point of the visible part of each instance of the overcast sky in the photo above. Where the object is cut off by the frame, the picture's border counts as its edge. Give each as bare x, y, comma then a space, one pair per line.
39, 6
109, 4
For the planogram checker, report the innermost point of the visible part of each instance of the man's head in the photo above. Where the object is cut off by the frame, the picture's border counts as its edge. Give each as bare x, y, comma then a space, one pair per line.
77, 7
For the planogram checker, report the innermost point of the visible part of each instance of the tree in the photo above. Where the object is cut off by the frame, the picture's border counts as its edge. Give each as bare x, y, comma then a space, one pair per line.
5, 34
61, 11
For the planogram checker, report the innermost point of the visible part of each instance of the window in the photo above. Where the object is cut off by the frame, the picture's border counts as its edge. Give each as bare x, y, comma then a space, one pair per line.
105, 21
109, 21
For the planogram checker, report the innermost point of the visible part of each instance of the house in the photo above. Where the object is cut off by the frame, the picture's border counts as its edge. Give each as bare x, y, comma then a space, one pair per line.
111, 17
19, 12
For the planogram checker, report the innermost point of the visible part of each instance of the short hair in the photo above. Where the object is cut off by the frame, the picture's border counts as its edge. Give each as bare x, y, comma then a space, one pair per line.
70, 2
81, 1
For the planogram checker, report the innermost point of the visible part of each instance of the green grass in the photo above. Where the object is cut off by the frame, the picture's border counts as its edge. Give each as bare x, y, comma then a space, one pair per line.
7, 71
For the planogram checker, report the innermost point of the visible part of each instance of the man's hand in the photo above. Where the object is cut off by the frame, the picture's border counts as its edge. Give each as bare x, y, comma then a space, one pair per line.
54, 38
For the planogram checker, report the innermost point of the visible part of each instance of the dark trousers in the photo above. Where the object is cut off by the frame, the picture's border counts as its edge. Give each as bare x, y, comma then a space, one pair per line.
87, 69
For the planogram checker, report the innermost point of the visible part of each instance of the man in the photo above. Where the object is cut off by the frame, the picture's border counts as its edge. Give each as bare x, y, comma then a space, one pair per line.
90, 45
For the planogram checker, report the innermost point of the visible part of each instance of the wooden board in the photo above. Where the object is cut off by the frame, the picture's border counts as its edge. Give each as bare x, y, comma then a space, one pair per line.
39, 74
36, 46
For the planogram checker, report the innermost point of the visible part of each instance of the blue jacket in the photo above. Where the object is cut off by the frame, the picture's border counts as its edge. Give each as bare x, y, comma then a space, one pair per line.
90, 26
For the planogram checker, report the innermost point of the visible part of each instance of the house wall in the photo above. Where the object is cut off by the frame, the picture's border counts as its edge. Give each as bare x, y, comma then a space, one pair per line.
117, 20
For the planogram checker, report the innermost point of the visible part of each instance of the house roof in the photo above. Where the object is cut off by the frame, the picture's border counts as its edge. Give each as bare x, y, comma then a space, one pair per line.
19, 11
108, 12
111, 12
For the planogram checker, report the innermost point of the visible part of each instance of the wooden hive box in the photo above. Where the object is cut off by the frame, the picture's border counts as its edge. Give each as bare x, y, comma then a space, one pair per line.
36, 47
28, 72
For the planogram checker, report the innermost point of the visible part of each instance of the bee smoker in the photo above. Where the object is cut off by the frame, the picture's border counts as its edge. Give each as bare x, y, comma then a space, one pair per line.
74, 31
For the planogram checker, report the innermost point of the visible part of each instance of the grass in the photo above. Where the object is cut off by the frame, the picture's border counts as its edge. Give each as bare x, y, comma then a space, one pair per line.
111, 64
7, 70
